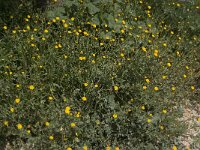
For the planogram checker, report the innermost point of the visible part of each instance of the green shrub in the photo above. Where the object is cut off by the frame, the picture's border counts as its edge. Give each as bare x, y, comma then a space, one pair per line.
88, 76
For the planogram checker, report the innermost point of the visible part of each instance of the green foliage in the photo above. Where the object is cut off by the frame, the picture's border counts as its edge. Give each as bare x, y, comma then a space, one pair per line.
98, 74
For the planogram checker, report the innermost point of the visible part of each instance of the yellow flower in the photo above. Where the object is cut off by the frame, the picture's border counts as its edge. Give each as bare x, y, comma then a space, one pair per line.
143, 107
192, 87
161, 127
51, 137
115, 116
17, 85
155, 53
73, 124
5, 27
96, 85
144, 49
85, 84
144, 87
173, 88
69, 148
122, 31
65, 25
164, 77
164, 44
57, 18
59, 45
33, 45
85, 33
198, 119
12, 109
28, 27
117, 148
108, 148
82, 58
50, 98
85, 147
19, 126
116, 88
84, 98
46, 31
78, 114
164, 111
67, 110
94, 25
147, 80
174, 148
14, 31
31, 87
28, 131
156, 88
17, 100
5, 123
72, 19
65, 56
184, 76
56, 46
149, 120
122, 55
47, 123
169, 64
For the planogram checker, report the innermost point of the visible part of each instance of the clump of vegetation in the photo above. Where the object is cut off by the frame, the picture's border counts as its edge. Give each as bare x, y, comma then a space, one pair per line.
99, 74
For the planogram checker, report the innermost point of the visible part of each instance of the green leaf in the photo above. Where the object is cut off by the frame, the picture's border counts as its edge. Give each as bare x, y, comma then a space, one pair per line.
57, 12
96, 20
70, 3
111, 101
92, 8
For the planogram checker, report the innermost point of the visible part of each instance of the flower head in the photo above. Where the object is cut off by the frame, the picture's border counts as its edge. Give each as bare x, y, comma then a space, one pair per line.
47, 123
156, 88
115, 116
85, 147
174, 148
50, 98
84, 98
51, 137
5, 123
19, 126
31, 87
73, 124
67, 110
17, 100
116, 88
149, 120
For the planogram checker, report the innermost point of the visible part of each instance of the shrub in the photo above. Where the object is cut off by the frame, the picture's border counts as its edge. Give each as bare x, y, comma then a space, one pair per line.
87, 76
